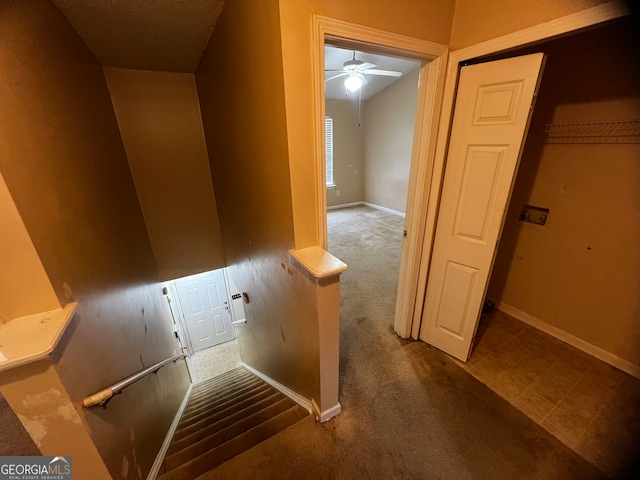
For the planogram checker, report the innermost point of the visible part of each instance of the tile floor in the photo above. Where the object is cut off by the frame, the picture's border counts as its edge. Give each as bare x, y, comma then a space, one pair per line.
213, 361
590, 406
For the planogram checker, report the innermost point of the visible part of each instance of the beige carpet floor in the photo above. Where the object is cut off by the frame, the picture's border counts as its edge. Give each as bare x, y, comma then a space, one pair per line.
409, 412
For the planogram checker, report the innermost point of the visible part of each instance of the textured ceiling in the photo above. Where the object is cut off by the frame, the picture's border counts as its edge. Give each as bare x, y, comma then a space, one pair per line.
335, 57
165, 35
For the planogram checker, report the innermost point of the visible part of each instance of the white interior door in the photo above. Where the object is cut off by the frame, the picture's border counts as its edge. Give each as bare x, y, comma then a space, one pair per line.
205, 308
493, 108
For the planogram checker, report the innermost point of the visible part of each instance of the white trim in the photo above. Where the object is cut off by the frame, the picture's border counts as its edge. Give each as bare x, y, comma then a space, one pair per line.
328, 414
157, 463
432, 74
537, 33
384, 209
345, 205
545, 31
299, 399
177, 311
572, 340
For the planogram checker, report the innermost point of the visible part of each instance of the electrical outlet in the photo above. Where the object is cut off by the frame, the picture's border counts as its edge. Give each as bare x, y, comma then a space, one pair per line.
564, 187
337, 193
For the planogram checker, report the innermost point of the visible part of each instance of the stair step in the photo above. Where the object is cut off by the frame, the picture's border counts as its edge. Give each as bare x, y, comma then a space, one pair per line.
220, 414
224, 405
216, 396
234, 446
236, 372
214, 392
225, 421
218, 438
217, 382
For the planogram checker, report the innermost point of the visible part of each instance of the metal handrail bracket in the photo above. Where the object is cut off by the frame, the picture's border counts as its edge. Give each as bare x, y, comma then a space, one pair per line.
104, 396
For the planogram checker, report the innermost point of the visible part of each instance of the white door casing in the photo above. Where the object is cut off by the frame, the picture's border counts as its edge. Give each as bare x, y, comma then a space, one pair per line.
205, 308
492, 113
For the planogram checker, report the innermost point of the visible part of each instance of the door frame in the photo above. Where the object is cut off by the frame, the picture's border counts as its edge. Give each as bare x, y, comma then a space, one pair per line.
529, 36
177, 310
432, 74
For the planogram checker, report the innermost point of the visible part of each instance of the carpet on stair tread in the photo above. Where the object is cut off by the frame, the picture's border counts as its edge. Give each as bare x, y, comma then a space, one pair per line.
259, 391
200, 391
220, 381
237, 428
186, 430
221, 399
218, 422
213, 396
215, 457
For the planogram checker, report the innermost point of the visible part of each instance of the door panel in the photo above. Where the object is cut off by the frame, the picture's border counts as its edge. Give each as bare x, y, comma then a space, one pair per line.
205, 307
492, 113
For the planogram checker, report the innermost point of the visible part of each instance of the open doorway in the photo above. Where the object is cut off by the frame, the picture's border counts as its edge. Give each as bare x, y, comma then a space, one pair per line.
369, 136
207, 308
432, 58
564, 278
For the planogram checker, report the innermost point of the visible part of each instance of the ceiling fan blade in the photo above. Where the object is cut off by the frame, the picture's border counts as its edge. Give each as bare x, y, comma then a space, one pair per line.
332, 70
386, 73
336, 76
366, 66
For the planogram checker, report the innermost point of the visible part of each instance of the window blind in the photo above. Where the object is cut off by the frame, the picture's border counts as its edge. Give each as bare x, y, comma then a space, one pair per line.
328, 127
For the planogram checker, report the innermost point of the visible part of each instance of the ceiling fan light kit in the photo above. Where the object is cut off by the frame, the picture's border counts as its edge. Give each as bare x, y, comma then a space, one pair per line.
355, 71
353, 83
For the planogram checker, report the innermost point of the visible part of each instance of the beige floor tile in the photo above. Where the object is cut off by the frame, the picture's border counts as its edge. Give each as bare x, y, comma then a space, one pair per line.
547, 390
585, 403
570, 417
510, 353
486, 372
523, 371
606, 375
562, 376
511, 384
531, 337
534, 405
569, 437
591, 399
537, 364
578, 359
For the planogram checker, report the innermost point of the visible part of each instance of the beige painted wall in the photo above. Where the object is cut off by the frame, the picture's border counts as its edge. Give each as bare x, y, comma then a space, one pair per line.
348, 151
242, 103
390, 118
581, 272
478, 20
38, 398
159, 118
24, 286
425, 20
66, 168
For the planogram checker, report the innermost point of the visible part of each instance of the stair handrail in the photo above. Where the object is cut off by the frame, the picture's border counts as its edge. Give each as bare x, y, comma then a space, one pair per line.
104, 396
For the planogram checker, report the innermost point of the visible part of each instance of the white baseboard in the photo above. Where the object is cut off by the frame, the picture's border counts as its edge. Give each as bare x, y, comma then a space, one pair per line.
372, 205
299, 399
345, 205
328, 414
157, 463
384, 209
580, 344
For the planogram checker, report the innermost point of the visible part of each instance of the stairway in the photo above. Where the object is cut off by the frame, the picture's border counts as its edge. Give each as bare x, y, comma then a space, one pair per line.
224, 417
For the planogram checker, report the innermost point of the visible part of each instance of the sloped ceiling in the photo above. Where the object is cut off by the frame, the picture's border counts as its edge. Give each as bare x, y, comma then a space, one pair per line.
166, 35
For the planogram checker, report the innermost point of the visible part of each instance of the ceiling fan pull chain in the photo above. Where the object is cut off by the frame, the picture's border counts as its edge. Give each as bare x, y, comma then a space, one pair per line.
359, 103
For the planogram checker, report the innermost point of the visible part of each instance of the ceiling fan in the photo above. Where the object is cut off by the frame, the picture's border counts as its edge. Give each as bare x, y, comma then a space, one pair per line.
355, 71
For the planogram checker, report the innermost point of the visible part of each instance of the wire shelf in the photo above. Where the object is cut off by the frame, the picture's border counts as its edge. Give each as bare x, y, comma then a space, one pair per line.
597, 132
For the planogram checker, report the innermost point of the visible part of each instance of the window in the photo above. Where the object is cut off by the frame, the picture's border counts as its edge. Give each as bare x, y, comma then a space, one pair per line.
328, 135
